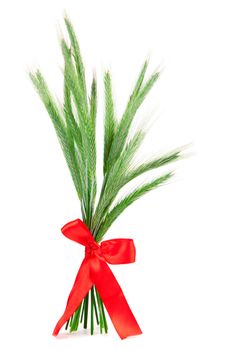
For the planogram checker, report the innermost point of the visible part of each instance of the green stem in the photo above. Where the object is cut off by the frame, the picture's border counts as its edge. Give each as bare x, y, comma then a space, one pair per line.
83, 307
67, 324
103, 321
75, 320
95, 306
86, 311
100, 310
104, 318
92, 311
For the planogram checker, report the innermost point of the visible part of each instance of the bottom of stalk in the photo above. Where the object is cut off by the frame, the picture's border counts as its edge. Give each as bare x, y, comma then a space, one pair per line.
90, 313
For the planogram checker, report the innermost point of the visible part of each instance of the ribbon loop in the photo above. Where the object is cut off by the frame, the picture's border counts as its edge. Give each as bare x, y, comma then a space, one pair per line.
95, 271
119, 251
78, 232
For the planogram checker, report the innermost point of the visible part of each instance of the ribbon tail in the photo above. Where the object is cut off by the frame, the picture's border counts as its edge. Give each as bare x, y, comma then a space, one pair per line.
114, 299
81, 287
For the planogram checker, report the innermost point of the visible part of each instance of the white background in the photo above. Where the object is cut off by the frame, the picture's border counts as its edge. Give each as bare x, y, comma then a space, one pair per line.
180, 288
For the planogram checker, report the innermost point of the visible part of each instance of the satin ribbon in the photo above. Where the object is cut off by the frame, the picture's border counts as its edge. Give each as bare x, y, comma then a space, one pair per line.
94, 270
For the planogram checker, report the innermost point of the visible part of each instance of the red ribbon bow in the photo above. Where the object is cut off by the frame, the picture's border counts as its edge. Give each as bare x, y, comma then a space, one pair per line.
94, 270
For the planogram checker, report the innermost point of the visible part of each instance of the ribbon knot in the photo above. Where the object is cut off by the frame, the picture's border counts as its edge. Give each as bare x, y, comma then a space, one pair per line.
94, 270
92, 248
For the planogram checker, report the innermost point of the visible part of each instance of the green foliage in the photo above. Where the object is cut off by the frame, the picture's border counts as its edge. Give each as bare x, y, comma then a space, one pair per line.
138, 95
60, 128
110, 123
126, 201
75, 125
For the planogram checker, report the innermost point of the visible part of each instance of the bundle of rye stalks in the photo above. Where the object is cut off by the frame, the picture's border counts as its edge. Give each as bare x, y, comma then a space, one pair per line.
74, 121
